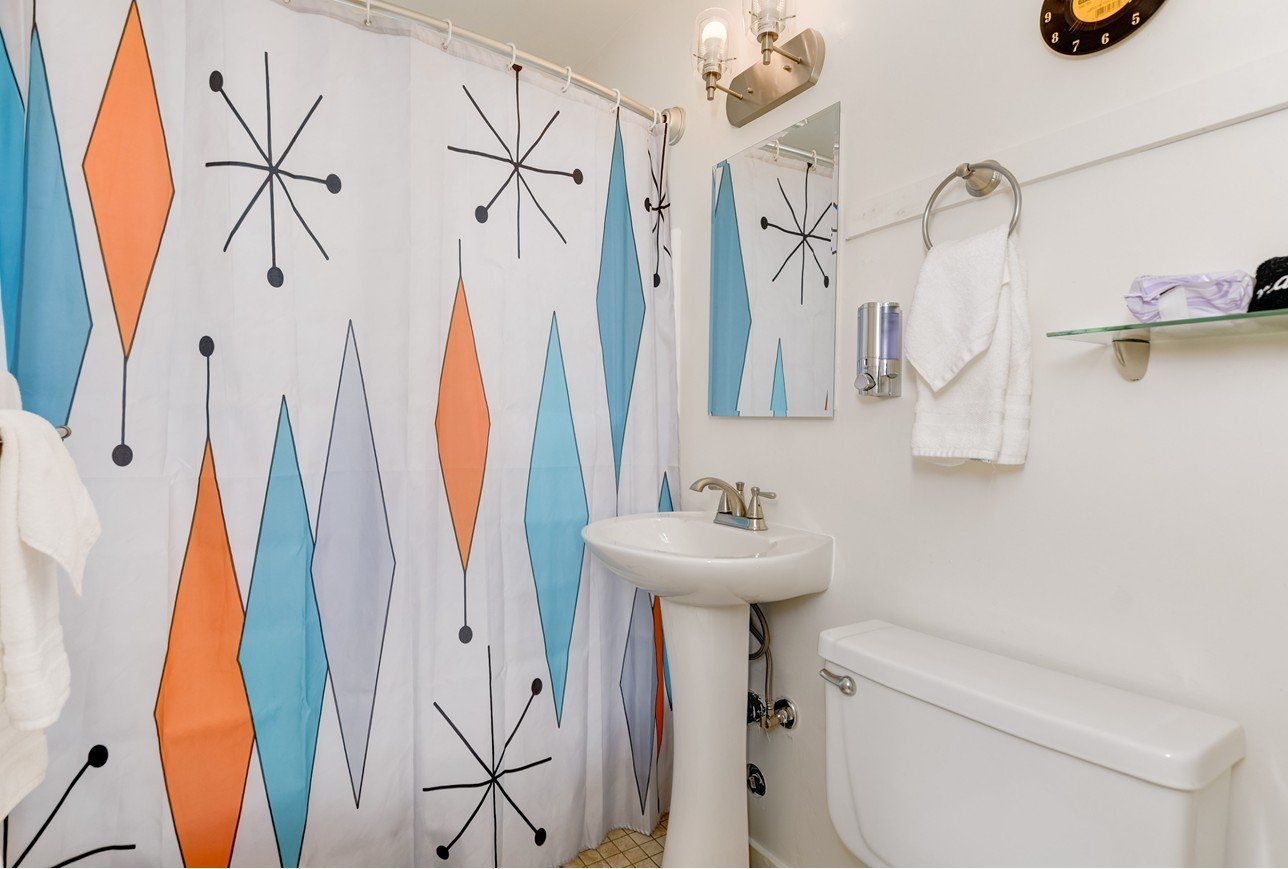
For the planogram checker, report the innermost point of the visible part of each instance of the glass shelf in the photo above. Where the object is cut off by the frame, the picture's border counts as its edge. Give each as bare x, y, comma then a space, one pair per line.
1222, 325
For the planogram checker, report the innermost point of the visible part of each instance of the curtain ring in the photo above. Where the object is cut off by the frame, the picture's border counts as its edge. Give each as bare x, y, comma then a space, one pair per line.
814, 157
778, 150
567, 81
448, 40
653, 126
616, 91
368, 18
514, 53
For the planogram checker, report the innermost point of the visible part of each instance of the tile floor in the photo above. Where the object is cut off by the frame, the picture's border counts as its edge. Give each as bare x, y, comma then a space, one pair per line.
626, 848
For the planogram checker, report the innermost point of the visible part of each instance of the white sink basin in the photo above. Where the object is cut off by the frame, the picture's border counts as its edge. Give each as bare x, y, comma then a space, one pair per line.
707, 576
689, 558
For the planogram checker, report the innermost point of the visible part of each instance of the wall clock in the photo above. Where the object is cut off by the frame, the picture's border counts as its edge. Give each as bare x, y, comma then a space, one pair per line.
1078, 27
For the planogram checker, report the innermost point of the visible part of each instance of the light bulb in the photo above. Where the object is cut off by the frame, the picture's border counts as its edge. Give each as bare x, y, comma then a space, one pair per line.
710, 41
711, 38
714, 35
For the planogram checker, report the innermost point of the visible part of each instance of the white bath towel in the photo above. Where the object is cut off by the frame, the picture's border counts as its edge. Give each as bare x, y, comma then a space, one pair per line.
47, 523
968, 337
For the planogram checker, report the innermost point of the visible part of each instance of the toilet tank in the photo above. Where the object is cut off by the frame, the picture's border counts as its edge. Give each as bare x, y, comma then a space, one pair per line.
946, 755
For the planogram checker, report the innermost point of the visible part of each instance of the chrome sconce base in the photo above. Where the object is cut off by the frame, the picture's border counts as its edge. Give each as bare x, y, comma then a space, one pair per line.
762, 87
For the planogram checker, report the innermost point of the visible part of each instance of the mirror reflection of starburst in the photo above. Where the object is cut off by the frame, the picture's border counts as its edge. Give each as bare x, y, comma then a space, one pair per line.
275, 173
799, 231
657, 204
494, 770
96, 759
517, 159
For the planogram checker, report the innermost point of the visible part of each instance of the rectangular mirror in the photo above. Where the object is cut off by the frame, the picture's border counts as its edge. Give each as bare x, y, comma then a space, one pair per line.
773, 274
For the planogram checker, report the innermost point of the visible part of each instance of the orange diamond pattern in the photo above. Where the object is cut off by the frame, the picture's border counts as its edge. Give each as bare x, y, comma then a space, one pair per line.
203, 719
127, 172
462, 425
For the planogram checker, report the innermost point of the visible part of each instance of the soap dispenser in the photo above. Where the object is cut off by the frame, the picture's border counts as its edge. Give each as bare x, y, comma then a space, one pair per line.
880, 350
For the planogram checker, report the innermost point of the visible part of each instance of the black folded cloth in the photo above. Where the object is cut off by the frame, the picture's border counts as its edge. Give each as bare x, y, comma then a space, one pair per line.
1270, 292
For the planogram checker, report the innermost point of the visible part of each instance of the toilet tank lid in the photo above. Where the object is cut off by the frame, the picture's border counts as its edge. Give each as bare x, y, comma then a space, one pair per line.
1150, 739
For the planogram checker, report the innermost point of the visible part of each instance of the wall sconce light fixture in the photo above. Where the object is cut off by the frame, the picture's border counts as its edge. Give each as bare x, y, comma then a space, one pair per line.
787, 66
710, 48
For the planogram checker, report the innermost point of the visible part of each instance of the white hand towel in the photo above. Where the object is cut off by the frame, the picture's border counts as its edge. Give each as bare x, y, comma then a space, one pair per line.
968, 337
47, 522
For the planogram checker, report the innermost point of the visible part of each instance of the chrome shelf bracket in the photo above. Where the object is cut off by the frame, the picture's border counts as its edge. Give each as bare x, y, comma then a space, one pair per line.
1131, 356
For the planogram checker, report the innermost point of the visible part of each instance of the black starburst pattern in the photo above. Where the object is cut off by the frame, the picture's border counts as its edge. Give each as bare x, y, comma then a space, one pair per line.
96, 758
517, 159
275, 174
799, 231
494, 770
657, 204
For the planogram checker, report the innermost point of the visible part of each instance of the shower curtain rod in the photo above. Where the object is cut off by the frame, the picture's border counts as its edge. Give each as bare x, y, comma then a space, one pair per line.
674, 116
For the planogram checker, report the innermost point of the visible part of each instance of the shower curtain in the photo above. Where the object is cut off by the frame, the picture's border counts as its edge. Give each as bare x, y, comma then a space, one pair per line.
354, 333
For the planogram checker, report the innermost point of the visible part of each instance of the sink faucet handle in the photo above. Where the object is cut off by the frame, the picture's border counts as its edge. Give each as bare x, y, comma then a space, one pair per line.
756, 513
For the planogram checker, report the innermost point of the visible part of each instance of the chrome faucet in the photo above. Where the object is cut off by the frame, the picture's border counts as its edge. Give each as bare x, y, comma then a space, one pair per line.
733, 510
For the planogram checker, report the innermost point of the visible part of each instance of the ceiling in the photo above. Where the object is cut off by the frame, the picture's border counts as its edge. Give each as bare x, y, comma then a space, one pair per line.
564, 31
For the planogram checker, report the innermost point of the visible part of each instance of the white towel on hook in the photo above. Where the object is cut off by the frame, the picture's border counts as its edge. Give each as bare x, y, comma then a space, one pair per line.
47, 524
968, 337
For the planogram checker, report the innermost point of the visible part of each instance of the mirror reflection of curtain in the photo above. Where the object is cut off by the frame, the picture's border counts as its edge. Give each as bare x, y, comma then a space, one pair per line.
787, 221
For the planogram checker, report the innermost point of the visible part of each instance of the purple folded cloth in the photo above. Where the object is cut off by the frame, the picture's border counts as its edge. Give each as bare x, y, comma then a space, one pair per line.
1193, 295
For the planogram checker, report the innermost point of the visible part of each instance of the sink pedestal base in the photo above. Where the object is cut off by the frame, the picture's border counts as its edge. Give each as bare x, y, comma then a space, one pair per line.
707, 647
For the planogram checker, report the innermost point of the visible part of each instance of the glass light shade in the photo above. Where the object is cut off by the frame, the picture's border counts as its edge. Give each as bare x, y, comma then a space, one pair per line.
711, 38
769, 16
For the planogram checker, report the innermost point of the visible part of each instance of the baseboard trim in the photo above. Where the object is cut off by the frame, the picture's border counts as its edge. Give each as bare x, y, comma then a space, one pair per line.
767, 857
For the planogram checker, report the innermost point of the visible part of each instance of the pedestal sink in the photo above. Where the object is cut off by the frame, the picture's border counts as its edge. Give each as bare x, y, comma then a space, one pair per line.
707, 575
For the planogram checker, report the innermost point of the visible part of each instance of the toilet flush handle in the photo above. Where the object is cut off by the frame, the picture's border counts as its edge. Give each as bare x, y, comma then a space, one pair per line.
845, 683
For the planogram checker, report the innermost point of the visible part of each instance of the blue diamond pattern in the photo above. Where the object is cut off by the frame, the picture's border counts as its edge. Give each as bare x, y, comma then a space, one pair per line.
47, 340
619, 301
282, 658
13, 125
554, 514
730, 307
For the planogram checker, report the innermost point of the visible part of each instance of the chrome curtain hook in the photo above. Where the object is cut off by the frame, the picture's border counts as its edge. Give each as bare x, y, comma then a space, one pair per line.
448, 40
778, 150
813, 157
514, 53
567, 81
653, 126
367, 22
618, 93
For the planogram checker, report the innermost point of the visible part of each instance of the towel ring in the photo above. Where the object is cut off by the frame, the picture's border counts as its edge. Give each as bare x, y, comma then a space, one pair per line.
981, 179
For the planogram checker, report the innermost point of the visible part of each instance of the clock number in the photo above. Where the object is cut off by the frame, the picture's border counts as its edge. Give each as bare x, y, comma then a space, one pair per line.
1104, 39
1135, 19
1046, 19
1055, 37
1075, 45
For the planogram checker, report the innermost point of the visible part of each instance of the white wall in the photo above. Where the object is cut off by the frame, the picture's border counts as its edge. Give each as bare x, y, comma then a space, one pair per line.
1143, 544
